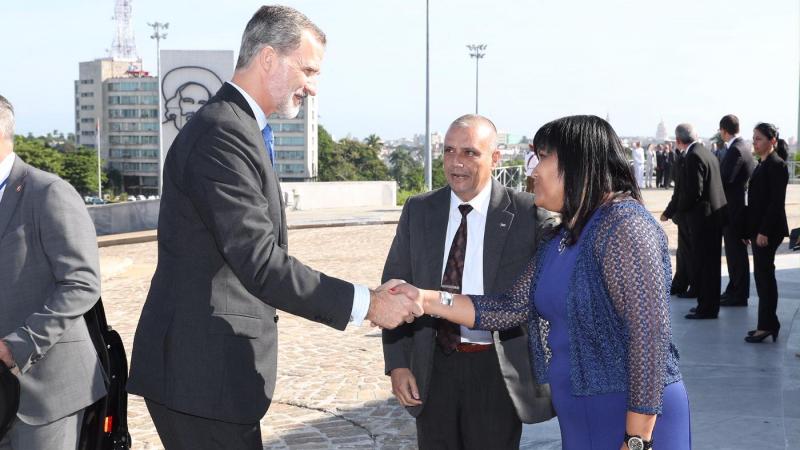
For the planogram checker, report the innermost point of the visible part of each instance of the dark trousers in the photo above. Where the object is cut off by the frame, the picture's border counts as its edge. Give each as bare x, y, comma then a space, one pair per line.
468, 406
706, 238
683, 261
766, 285
659, 177
738, 289
179, 431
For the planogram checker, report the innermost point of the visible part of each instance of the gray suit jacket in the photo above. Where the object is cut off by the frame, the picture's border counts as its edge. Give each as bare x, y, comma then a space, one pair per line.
416, 255
49, 278
206, 343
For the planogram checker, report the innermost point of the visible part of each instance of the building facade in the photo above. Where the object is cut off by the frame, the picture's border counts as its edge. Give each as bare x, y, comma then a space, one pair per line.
116, 109
296, 143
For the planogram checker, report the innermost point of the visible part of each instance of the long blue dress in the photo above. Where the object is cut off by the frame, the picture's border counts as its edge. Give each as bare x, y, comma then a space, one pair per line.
595, 422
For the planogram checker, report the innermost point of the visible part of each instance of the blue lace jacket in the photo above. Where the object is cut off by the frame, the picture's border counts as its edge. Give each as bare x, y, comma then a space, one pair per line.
620, 335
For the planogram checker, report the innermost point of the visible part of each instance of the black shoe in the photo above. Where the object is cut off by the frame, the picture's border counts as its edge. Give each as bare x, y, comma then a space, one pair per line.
674, 291
756, 338
751, 332
731, 302
693, 310
724, 296
688, 294
696, 316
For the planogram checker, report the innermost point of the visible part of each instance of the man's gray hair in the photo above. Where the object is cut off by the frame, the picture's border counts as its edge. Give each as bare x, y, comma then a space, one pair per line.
279, 27
685, 133
6, 119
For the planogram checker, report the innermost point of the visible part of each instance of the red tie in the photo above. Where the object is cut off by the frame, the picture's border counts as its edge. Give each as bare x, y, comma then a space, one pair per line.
448, 334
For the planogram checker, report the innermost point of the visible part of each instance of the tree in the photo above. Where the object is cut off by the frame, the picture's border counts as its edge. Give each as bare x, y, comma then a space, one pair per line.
373, 141
34, 152
80, 170
407, 171
349, 160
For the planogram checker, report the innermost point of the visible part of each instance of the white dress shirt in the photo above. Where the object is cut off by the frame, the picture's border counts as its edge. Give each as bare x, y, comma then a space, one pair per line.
472, 278
5, 171
360, 292
728, 143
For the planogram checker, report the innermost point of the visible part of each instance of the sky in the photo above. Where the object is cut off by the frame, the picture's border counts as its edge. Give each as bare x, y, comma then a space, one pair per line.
636, 62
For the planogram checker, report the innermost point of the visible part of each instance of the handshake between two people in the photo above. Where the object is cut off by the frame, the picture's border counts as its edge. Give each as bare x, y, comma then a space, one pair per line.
397, 302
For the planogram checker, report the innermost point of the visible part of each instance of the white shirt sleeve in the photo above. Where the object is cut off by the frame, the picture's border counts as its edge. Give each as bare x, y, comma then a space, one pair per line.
360, 304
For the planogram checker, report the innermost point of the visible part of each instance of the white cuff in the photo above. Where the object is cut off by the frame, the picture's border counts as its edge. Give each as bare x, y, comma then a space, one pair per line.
360, 304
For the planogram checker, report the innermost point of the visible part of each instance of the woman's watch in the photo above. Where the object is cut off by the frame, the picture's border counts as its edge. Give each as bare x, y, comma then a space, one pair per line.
637, 443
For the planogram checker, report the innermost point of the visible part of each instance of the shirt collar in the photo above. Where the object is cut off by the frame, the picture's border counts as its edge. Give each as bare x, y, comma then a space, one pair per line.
480, 203
261, 118
6, 165
728, 143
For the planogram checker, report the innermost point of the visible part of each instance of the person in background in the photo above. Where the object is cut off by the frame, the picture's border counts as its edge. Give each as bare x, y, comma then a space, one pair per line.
531, 160
766, 224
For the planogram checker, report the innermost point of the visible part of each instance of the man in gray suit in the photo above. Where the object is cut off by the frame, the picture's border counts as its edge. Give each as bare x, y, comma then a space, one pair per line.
49, 278
205, 351
467, 389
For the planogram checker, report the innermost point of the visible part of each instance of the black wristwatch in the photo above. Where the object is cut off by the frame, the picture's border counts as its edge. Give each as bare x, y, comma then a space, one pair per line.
637, 443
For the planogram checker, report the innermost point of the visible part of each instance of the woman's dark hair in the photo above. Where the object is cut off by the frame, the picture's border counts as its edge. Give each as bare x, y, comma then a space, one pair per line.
770, 131
592, 163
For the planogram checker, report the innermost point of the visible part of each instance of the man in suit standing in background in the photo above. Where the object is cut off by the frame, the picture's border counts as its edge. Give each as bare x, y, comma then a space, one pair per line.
682, 284
205, 351
467, 389
49, 277
702, 202
736, 167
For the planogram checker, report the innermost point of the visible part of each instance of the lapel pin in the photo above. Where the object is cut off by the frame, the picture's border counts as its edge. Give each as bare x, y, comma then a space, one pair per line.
502, 225
19, 188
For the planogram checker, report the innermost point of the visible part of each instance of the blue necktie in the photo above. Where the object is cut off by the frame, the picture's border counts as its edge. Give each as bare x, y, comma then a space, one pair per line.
269, 140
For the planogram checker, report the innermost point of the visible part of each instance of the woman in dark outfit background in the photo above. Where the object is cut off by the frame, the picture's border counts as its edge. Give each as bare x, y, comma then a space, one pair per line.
766, 224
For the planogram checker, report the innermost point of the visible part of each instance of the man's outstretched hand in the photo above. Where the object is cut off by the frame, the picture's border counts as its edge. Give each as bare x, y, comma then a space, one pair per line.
388, 310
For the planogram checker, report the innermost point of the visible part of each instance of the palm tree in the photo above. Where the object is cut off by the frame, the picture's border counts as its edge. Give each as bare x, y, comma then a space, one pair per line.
373, 141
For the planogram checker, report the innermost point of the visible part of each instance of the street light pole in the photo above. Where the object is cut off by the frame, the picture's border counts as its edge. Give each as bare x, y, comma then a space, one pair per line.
158, 36
476, 51
428, 156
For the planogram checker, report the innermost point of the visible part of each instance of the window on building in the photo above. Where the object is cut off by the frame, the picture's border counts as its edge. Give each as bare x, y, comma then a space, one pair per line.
87, 133
149, 113
290, 140
290, 155
87, 81
149, 126
148, 100
87, 107
87, 120
288, 127
124, 86
87, 94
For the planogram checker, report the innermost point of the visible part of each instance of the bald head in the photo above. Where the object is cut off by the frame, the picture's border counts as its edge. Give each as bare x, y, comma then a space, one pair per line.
470, 154
483, 126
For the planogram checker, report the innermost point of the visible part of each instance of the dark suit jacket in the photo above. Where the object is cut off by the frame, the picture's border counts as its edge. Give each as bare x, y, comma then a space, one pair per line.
671, 211
766, 199
416, 256
49, 277
702, 199
736, 169
206, 343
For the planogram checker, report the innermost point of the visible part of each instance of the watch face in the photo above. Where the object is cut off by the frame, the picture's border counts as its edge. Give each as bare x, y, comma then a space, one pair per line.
635, 443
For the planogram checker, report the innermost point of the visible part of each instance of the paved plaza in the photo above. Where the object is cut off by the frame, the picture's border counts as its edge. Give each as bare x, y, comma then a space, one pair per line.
331, 391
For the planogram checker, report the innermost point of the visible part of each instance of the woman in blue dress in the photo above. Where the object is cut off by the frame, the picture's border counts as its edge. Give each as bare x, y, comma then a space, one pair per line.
595, 299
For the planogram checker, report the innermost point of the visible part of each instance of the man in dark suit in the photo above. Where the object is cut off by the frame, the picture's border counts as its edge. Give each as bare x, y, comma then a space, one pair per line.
473, 389
205, 349
702, 201
49, 277
736, 168
682, 280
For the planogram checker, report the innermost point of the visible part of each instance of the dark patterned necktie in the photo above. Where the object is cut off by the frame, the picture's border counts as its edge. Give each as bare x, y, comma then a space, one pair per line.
448, 334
